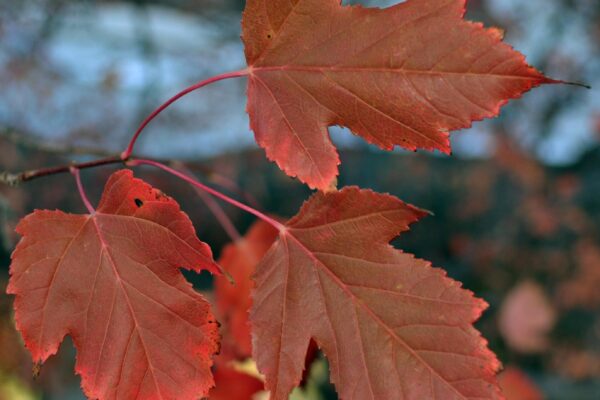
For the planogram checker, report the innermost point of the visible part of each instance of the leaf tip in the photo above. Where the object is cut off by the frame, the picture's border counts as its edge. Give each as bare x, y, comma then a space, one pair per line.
578, 84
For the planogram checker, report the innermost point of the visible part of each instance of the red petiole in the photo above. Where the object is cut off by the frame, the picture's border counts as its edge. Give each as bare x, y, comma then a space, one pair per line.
126, 157
210, 190
86, 201
127, 153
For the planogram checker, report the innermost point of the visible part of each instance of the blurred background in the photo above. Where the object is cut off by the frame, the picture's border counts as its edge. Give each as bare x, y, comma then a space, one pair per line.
517, 206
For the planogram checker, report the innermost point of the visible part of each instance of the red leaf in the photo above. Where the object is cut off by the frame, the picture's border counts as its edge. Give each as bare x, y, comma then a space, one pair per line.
526, 318
391, 326
234, 301
234, 385
517, 386
405, 75
111, 281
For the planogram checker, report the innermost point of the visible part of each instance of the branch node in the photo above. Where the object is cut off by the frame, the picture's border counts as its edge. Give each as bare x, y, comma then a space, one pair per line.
10, 179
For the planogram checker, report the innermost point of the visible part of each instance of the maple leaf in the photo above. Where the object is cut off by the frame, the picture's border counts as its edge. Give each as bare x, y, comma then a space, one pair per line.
233, 384
111, 281
516, 385
391, 326
526, 318
405, 75
233, 301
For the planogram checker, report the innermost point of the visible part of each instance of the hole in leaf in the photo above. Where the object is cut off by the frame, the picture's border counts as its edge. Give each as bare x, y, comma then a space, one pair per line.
138, 202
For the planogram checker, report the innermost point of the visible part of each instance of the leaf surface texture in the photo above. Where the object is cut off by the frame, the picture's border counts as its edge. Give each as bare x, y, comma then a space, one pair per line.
405, 75
391, 326
111, 281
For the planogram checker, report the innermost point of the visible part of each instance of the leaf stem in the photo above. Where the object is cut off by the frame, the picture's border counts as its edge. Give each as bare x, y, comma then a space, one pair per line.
236, 74
213, 205
75, 172
277, 225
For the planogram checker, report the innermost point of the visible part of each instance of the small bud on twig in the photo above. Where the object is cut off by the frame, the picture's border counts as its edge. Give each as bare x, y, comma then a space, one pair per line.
9, 179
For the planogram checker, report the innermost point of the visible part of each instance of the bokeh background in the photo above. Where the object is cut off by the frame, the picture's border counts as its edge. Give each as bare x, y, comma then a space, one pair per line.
517, 206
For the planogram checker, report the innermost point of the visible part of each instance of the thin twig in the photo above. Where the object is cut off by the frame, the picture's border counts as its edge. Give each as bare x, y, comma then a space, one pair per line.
13, 179
25, 139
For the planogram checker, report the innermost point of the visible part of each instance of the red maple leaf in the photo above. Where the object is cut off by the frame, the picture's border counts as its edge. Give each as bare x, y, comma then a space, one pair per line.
234, 301
391, 326
516, 385
111, 281
405, 75
234, 385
